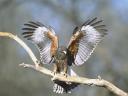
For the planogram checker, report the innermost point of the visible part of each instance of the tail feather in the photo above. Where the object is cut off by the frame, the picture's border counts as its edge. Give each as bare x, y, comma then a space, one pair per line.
65, 87
58, 89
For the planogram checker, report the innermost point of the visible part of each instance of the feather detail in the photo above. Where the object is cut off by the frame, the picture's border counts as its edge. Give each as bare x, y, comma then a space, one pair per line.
43, 37
82, 46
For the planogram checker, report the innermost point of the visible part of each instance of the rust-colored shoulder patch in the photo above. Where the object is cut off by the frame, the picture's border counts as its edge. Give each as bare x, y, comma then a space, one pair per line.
54, 42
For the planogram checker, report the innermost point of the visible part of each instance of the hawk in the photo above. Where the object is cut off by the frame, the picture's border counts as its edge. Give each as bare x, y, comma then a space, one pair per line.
81, 45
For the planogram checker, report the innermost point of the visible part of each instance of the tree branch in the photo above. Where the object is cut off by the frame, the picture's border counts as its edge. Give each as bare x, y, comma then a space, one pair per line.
76, 79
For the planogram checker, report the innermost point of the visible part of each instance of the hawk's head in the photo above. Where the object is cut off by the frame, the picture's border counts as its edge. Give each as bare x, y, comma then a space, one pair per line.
61, 53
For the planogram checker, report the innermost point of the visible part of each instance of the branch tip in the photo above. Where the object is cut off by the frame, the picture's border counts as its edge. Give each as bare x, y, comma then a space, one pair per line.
99, 77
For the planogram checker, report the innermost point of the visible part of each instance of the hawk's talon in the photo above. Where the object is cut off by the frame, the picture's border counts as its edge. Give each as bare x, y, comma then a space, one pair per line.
54, 73
53, 78
64, 73
38, 62
69, 83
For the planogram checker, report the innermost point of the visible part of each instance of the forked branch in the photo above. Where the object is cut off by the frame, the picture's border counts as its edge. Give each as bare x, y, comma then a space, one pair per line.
77, 79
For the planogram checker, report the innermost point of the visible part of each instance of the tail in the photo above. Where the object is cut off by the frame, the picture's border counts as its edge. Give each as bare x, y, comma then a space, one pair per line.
65, 87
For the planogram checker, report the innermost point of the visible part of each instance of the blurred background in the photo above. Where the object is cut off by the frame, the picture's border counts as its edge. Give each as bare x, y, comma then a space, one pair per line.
109, 59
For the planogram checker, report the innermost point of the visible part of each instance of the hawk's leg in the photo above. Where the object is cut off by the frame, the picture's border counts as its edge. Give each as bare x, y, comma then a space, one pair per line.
55, 69
64, 72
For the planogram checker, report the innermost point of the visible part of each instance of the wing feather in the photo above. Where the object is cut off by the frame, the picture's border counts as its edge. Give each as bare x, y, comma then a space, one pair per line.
43, 37
85, 39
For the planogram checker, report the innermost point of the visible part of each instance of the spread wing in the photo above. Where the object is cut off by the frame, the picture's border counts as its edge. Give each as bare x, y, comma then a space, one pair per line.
44, 38
84, 41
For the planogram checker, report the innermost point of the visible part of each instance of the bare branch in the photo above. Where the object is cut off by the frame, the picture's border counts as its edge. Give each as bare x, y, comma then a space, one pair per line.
77, 79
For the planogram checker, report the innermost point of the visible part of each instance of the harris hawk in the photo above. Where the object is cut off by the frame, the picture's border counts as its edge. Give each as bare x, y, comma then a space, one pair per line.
81, 45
